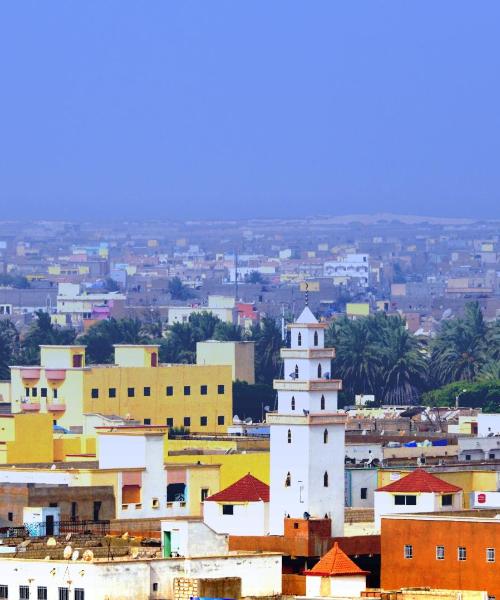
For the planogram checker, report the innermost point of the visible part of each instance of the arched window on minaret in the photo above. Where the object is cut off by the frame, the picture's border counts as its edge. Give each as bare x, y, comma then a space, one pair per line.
289, 436
322, 403
325, 479
320, 371
299, 339
315, 338
288, 480
296, 371
325, 436
293, 402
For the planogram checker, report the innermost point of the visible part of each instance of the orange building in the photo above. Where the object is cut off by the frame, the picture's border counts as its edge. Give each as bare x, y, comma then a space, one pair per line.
441, 552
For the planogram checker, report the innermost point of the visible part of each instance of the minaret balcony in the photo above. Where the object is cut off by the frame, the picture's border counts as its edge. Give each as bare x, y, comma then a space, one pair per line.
314, 353
308, 385
335, 418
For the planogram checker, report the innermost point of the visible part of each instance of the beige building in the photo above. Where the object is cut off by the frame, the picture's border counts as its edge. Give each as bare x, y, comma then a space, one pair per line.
240, 356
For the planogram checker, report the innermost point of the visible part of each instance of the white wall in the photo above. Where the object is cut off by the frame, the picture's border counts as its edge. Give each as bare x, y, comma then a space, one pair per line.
193, 538
384, 505
340, 587
310, 401
133, 580
488, 423
251, 518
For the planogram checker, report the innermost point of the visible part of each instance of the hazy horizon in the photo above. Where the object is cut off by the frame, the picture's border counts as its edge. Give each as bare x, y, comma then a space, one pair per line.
195, 110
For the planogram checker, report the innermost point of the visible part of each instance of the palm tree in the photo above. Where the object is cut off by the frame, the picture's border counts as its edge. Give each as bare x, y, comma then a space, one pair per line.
405, 368
267, 338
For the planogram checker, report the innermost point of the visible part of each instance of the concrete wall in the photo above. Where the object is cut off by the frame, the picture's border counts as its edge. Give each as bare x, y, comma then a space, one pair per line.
240, 356
251, 518
193, 538
339, 587
133, 580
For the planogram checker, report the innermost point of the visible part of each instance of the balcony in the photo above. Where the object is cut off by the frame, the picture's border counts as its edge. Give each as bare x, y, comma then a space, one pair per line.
316, 353
30, 407
30, 373
336, 418
308, 385
55, 374
56, 406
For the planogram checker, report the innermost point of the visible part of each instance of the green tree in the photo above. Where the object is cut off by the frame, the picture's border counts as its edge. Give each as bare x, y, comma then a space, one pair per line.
203, 325
460, 350
228, 332
254, 277
268, 343
43, 332
178, 290
9, 346
101, 337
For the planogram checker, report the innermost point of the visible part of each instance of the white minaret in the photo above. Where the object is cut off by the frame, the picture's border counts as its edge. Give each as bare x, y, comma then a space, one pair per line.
307, 433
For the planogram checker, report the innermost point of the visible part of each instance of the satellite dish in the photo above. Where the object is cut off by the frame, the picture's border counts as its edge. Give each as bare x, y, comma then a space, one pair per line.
53, 468
248, 421
88, 556
75, 555
68, 551
236, 419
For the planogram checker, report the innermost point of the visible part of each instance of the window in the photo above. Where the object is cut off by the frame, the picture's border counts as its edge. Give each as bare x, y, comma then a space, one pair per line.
204, 494
439, 552
315, 338
491, 456
187, 390
43, 392
490, 555
170, 390
79, 594
4, 591
77, 361
299, 339
130, 392
94, 393
467, 457
74, 511
34, 392
293, 403
289, 437
408, 553
26, 391
155, 587
155, 503
462, 553
220, 388
320, 371
325, 479
147, 421
220, 420
10, 516
54, 392
325, 436
24, 592
63, 593
147, 391
296, 371
112, 392
187, 421
364, 493
203, 390
203, 421
402, 500
288, 480
170, 422
41, 593
154, 359
447, 500
322, 403
228, 509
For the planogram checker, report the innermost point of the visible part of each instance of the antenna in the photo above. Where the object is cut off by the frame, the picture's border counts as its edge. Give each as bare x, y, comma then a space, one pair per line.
236, 276
306, 299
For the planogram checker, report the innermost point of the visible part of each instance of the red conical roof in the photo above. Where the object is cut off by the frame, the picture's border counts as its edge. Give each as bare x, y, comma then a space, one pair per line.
335, 563
246, 489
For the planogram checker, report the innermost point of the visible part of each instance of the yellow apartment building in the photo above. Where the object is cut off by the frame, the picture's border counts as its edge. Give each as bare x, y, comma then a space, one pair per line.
136, 386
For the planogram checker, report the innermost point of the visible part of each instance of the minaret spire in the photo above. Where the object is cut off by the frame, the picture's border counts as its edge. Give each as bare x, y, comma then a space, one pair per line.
307, 295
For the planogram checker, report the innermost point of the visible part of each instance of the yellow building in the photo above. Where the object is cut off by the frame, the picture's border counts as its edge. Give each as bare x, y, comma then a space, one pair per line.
26, 438
240, 356
197, 397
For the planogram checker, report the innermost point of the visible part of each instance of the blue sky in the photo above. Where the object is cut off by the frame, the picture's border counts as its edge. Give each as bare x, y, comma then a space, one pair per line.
260, 108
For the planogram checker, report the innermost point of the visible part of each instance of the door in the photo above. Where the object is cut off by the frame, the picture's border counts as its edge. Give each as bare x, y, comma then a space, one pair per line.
49, 525
97, 509
167, 544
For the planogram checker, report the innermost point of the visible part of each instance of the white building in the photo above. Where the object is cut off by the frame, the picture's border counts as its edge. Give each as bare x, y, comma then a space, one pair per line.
352, 266
335, 575
240, 509
488, 425
417, 492
307, 433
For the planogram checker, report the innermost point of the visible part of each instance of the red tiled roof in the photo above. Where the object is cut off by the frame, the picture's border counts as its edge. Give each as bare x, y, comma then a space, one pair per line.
335, 563
246, 489
420, 481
